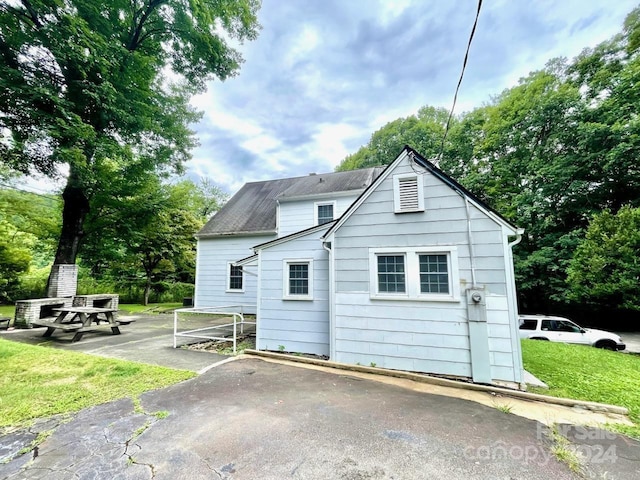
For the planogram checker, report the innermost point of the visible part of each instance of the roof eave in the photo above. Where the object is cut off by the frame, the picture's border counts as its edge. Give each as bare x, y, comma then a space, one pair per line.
235, 234
341, 193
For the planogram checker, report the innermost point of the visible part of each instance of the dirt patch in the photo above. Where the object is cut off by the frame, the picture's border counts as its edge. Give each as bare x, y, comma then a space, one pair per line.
244, 342
221, 347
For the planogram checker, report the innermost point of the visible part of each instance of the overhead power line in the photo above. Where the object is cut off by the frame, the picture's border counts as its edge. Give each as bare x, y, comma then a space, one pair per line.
455, 97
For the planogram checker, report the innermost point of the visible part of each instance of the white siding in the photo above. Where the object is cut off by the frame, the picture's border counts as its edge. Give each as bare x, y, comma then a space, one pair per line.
211, 271
299, 215
295, 325
420, 335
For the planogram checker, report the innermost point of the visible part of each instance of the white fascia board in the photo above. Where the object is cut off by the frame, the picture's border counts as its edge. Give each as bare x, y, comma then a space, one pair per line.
252, 260
293, 236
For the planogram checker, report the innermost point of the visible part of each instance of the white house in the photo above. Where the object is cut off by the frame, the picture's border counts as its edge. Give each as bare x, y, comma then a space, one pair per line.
399, 267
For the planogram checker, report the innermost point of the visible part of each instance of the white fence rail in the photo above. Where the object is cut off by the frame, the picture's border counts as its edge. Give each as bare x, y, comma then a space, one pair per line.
209, 332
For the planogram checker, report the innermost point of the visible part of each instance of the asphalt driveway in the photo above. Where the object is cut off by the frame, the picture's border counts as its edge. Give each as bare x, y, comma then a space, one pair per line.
632, 340
252, 419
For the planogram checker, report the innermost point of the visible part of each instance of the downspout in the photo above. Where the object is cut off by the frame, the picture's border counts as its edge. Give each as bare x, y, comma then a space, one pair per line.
332, 332
517, 348
472, 256
518, 239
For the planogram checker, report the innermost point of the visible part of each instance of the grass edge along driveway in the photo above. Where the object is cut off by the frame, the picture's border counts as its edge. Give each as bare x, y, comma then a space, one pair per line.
587, 373
39, 381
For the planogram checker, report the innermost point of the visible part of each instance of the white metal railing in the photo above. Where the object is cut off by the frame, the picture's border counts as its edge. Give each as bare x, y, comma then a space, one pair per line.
225, 310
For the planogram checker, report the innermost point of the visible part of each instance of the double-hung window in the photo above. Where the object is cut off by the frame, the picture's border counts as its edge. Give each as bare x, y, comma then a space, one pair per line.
434, 273
414, 273
298, 279
235, 278
324, 212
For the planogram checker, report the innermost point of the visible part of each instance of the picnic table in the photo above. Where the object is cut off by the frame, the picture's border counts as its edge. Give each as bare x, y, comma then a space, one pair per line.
81, 320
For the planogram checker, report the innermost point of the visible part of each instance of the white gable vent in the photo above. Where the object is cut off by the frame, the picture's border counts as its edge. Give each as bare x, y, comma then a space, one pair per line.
408, 193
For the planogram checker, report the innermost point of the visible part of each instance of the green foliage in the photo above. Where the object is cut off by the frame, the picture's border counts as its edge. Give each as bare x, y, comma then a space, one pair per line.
143, 242
15, 257
423, 132
84, 85
586, 373
44, 381
28, 230
605, 268
549, 154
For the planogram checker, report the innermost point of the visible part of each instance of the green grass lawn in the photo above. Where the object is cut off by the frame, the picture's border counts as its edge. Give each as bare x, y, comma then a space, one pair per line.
7, 310
587, 373
40, 381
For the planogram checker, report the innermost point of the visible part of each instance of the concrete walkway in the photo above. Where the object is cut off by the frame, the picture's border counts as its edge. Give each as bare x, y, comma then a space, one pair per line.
149, 339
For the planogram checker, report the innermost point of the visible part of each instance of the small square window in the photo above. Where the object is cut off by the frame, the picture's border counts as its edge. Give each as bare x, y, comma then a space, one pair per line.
298, 279
391, 274
434, 273
325, 213
235, 277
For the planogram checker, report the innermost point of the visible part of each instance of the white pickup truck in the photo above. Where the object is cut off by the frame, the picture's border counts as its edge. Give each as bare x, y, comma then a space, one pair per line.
559, 329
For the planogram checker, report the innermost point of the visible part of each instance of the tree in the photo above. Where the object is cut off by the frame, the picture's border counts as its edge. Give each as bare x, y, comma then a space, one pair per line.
84, 82
423, 132
144, 234
605, 270
29, 228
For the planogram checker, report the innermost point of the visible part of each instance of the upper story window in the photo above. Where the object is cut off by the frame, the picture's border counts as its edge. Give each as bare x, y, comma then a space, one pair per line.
298, 279
324, 212
408, 193
235, 280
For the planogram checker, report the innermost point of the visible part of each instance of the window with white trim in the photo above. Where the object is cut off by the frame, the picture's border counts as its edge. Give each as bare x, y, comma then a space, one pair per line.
324, 212
408, 193
298, 279
235, 278
415, 273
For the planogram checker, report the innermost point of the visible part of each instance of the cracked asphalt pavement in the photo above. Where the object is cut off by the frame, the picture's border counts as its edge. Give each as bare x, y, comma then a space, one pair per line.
252, 419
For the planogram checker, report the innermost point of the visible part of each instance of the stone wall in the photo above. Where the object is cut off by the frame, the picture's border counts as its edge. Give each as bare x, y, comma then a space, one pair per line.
100, 300
28, 311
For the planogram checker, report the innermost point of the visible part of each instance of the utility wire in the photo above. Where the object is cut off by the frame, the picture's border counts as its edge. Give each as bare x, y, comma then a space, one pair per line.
455, 97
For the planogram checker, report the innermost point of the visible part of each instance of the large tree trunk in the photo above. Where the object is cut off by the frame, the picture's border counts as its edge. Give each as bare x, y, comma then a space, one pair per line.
74, 212
147, 291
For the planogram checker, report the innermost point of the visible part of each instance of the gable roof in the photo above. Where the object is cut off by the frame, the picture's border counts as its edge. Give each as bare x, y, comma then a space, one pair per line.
420, 160
253, 210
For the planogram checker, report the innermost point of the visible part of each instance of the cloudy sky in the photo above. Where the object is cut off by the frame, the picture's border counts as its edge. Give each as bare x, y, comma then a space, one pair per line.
323, 75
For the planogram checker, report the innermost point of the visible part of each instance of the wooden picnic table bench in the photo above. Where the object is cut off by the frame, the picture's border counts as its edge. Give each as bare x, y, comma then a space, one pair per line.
81, 320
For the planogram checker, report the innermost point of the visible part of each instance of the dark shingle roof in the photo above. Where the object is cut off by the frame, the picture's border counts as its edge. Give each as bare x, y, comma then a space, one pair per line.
253, 208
